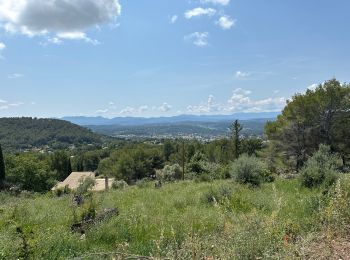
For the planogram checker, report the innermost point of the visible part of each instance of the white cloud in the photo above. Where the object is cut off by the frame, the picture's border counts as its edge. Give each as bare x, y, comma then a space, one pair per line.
2, 47
199, 39
134, 111
102, 111
173, 19
226, 22
199, 11
60, 17
6, 105
205, 108
55, 40
240, 75
216, 2
15, 76
312, 87
143, 108
165, 107
240, 101
242, 91
17, 104
77, 36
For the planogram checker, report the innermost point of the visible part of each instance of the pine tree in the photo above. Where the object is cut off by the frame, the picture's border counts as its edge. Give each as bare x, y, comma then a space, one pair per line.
236, 128
2, 169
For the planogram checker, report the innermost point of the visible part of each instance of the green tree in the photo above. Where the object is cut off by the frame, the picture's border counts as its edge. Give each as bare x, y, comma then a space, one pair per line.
320, 116
236, 128
167, 149
60, 162
30, 172
2, 169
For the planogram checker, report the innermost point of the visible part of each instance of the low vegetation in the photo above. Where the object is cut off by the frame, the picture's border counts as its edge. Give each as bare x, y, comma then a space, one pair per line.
220, 220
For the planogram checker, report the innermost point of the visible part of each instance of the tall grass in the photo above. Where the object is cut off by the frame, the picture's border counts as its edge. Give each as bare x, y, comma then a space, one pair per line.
184, 220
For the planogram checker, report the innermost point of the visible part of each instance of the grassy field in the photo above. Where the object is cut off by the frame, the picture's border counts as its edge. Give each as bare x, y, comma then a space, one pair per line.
185, 220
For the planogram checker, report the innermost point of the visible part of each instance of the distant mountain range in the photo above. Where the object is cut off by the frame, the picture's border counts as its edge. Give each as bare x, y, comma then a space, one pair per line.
138, 121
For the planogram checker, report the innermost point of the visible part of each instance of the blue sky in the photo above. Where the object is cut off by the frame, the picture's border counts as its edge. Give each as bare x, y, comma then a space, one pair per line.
161, 58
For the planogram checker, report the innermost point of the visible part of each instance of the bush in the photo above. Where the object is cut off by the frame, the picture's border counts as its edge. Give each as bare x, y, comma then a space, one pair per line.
62, 191
249, 170
85, 185
201, 169
218, 194
170, 173
119, 184
320, 169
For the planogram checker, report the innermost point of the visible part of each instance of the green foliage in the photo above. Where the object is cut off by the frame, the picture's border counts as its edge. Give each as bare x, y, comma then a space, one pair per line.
249, 170
201, 169
60, 162
28, 133
85, 185
317, 117
62, 191
236, 129
30, 171
107, 167
137, 164
320, 169
220, 194
170, 173
2, 169
251, 146
179, 221
119, 184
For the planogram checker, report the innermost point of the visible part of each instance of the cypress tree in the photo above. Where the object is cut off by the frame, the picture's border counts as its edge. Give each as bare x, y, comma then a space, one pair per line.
69, 167
2, 169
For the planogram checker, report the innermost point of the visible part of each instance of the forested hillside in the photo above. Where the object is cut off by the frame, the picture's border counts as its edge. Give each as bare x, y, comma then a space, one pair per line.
27, 133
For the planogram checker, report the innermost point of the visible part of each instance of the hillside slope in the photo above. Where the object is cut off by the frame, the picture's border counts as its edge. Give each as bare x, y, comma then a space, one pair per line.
27, 133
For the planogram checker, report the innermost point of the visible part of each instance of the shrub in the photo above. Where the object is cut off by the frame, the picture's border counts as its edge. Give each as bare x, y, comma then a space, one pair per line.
85, 184
119, 184
218, 195
249, 170
320, 169
170, 173
62, 191
201, 169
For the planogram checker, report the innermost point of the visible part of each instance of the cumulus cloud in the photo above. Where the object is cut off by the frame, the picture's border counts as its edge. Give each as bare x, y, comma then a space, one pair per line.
60, 17
215, 2
173, 19
226, 22
205, 108
199, 39
199, 11
165, 107
239, 101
